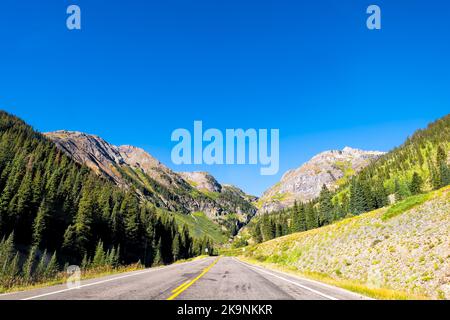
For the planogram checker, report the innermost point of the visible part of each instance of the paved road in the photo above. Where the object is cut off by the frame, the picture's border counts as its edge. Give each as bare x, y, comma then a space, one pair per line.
206, 279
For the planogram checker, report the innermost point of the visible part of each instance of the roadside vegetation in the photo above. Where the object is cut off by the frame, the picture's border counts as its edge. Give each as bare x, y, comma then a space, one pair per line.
402, 206
200, 225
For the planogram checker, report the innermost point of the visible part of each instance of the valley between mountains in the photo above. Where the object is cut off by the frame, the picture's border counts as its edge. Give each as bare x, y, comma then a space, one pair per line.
371, 222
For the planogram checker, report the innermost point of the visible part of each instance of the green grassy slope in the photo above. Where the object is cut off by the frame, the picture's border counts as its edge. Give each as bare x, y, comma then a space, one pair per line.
200, 225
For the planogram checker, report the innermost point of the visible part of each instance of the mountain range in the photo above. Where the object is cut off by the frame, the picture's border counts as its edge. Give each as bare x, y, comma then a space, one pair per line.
188, 192
133, 169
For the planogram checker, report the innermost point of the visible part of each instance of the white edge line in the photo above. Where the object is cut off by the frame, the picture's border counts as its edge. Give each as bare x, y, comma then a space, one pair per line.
87, 285
290, 281
93, 283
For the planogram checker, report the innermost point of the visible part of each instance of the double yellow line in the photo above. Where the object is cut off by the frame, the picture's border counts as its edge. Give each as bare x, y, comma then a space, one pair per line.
179, 290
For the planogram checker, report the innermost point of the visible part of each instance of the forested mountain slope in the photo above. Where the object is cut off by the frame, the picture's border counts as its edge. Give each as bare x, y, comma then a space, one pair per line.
49, 202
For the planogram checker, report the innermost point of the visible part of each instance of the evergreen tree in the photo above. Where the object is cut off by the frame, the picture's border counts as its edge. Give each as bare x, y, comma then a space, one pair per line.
401, 190
132, 227
42, 266
99, 257
117, 224
116, 260
158, 259
69, 245
381, 198
39, 225
443, 169
176, 247
52, 267
416, 184
278, 230
312, 221
434, 175
12, 269
83, 220
85, 264
325, 206
24, 209
29, 265
267, 228
295, 215
186, 242
444, 172
441, 156
256, 233
369, 198
301, 218
112, 258
6, 253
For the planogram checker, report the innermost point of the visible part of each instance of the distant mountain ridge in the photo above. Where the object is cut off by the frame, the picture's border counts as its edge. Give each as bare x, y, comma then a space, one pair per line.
103, 157
129, 166
200, 191
305, 183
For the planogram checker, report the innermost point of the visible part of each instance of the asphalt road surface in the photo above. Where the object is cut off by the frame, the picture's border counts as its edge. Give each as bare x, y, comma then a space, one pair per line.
211, 278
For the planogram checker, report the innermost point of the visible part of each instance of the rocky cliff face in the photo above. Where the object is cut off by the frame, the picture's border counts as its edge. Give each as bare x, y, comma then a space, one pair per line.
229, 197
304, 183
133, 168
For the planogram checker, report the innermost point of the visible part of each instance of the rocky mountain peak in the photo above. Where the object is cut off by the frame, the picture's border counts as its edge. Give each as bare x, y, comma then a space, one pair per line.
91, 150
138, 157
303, 184
105, 158
202, 181
348, 149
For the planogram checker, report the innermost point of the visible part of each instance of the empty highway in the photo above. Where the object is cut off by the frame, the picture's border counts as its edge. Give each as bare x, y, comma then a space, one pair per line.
211, 278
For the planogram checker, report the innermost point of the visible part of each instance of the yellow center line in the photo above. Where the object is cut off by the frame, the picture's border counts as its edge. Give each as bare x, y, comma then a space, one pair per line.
181, 286
185, 286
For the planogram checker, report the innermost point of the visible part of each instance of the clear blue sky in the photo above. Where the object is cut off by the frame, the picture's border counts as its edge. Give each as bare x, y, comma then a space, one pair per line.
140, 69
